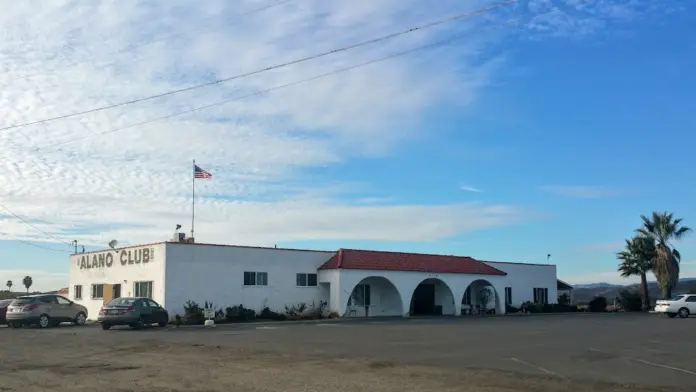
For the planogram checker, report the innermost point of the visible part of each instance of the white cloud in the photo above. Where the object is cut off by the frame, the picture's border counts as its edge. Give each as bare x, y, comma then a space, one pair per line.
469, 189
586, 192
64, 56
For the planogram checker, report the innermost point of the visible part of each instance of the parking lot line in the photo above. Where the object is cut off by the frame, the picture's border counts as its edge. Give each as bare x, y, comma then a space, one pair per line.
547, 371
649, 363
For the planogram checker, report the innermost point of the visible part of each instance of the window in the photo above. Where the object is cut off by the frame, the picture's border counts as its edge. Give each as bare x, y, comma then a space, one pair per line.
255, 278
691, 298
361, 295
508, 296
307, 280
143, 289
62, 300
97, 291
48, 300
541, 295
77, 292
153, 304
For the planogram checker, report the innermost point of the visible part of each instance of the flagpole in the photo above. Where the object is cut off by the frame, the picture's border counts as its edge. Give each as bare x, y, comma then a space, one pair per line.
193, 194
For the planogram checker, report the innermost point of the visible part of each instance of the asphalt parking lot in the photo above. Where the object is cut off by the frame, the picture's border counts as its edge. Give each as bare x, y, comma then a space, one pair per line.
588, 352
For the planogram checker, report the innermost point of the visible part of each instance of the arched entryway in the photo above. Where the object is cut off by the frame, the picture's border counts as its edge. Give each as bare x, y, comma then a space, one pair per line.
374, 296
432, 297
480, 297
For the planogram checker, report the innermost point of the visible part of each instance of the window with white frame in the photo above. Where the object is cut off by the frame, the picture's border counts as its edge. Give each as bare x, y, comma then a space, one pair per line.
97, 291
306, 280
77, 291
143, 289
255, 278
541, 295
508, 296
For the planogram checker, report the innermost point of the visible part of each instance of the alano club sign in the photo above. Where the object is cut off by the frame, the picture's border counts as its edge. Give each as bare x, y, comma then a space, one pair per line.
124, 257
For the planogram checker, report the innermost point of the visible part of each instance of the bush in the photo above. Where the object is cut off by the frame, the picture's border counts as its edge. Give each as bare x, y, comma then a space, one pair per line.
564, 299
511, 309
295, 311
193, 314
268, 314
239, 313
334, 314
631, 301
598, 304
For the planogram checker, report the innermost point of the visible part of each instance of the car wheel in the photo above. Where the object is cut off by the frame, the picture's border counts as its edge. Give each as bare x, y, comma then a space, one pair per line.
162, 324
44, 321
80, 319
15, 325
683, 312
106, 327
671, 315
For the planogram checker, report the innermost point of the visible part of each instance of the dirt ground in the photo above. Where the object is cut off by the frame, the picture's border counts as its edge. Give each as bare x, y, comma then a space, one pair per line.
417, 355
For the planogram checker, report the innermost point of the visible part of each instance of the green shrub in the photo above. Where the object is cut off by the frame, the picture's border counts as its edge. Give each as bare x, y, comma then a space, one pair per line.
564, 299
193, 313
630, 300
239, 313
598, 304
268, 314
511, 309
295, 311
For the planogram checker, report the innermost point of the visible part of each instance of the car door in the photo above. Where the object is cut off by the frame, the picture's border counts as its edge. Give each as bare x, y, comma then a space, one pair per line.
159, 314
691, 304
145, 311
50, 307
65, 306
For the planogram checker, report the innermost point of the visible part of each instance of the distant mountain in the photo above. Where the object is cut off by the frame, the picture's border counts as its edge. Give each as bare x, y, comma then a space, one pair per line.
596, 285
583, 294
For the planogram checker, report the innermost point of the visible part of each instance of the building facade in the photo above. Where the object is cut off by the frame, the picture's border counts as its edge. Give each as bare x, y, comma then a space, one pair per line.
353, 283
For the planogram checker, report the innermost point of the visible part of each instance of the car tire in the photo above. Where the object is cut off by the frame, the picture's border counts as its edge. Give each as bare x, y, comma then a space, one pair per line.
162, 324
683, 312
44, 321
139, 325
106, 327
80, 319
671, 315
15, 325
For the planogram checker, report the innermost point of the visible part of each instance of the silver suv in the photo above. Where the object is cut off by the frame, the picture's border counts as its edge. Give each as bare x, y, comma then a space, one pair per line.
44, 310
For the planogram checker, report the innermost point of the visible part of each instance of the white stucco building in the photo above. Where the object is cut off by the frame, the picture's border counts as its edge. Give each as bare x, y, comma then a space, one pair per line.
354, 283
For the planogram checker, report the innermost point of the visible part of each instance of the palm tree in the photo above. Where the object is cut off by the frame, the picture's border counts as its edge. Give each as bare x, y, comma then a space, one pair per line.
664, 228
27, 282
9, 285
636, 260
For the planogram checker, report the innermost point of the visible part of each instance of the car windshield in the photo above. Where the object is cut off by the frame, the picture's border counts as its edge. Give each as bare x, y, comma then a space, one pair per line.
23, 301
677, 298
122, 302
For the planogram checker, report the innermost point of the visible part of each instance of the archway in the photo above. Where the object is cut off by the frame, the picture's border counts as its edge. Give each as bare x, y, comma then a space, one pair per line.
374, 296
474, 300
432, 297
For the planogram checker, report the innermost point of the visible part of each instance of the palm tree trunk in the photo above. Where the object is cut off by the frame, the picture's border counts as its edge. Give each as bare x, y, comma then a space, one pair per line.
646, 294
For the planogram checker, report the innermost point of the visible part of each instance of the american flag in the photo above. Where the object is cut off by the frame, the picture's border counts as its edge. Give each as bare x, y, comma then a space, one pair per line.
200, 173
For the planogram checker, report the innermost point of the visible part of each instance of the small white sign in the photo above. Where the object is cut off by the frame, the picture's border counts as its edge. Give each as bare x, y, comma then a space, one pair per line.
209, 313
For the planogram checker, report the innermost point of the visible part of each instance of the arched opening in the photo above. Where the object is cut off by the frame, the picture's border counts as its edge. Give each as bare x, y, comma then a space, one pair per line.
374, 296
480, 297
432, 297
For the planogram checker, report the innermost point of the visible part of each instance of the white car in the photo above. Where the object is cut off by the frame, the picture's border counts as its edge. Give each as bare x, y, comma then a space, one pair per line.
682, 305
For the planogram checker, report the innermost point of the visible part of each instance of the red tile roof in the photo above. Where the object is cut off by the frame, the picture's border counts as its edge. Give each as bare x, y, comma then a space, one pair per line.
395, 261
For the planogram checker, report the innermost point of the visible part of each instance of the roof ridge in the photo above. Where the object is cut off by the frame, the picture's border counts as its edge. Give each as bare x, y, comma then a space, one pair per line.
408, 253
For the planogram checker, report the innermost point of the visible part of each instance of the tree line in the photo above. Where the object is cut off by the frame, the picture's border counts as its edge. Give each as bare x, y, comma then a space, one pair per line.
651, 249
27, 282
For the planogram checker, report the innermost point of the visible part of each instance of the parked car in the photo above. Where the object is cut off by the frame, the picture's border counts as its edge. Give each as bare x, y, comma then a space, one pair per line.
3, 310
44, 310
136, 312
682, 305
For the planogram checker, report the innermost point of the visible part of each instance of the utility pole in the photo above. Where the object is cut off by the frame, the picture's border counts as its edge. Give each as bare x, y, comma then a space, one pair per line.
74, 243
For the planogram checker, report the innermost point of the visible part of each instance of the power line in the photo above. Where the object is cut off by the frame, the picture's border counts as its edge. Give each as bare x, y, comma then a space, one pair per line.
30, 224
277, 66
32, 244
159, 39
260, 92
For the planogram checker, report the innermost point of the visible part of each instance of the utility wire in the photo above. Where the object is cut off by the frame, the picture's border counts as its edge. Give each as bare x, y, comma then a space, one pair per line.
260, 92
33, 244
281, 65
159, 39
30, 224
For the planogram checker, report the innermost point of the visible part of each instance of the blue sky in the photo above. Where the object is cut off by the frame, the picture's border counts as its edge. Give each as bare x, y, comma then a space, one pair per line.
569, 139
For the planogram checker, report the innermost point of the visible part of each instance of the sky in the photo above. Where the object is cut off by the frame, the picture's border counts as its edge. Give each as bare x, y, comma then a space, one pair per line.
540, 127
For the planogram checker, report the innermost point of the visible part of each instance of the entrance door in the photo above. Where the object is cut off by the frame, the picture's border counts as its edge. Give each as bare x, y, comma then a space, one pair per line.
117, 291
108, 293
424, 299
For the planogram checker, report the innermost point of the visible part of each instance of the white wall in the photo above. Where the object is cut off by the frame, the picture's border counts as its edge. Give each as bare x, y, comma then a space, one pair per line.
216, 273
523, 278
122, 271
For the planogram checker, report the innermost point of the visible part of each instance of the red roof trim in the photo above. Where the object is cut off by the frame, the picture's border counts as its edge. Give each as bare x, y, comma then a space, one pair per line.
415, 262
